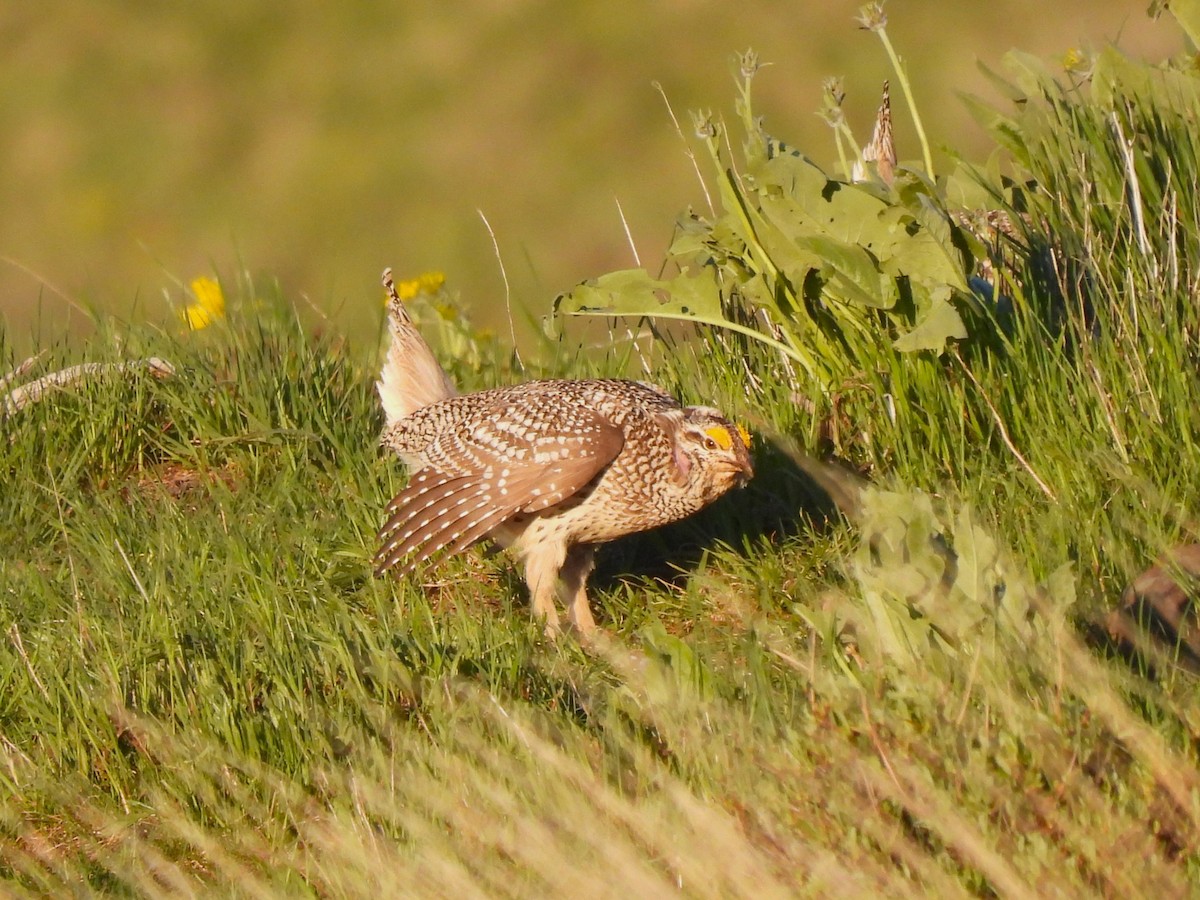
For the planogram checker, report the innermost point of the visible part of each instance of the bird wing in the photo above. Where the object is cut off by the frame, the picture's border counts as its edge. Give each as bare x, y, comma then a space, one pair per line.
493, 468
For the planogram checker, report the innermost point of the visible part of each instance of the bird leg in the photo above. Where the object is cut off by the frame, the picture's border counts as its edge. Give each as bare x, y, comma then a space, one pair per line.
542, 566
581, 559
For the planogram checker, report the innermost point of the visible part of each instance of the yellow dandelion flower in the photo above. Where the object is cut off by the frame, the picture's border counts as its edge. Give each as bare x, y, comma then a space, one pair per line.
209, 303
425, 283
1074, 60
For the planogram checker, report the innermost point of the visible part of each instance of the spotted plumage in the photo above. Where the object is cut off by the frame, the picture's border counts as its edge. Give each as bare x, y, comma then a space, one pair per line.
881, 150
547, 469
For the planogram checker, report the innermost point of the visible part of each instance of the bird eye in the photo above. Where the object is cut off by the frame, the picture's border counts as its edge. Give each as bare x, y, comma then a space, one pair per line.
710, 444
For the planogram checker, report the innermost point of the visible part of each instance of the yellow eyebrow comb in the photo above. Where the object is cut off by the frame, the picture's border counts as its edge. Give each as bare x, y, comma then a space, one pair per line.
720, 434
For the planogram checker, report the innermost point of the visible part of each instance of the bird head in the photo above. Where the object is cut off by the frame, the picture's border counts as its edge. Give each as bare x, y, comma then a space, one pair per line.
712, 454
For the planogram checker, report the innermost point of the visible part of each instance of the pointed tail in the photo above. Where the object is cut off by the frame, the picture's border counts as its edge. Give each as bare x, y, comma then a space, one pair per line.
411, 377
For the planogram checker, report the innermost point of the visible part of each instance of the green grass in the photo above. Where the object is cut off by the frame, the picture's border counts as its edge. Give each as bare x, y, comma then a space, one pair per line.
202, 686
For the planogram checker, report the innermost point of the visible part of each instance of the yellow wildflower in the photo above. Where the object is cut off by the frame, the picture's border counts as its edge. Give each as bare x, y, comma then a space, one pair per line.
425, 283
209, 303
1074, 60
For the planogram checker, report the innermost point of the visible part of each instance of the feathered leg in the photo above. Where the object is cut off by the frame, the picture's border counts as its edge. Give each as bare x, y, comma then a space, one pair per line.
542, 565
581, 559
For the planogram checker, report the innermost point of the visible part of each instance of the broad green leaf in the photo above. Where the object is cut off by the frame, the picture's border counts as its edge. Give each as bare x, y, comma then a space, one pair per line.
1059, 587
930, 257
1187, 14
1030, 73
688, 298
976, 578
693, 238
851, 213
788, 174
1013, 610
1115, 77
934, 329
800, 200
898, 567
1005, 130
1000, 83
633, 292
677, 656
893, 632
850, 272
966, 185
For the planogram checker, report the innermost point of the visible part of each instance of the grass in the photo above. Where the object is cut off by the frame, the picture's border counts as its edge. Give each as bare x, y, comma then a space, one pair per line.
203, 688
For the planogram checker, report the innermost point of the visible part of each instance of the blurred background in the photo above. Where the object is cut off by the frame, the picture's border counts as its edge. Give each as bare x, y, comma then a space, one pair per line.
144, 144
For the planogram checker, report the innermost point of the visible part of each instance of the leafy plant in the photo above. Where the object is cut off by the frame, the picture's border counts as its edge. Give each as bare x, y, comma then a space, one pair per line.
827, 272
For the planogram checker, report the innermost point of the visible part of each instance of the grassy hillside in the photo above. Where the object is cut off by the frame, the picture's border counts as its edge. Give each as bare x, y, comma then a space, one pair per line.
883, 668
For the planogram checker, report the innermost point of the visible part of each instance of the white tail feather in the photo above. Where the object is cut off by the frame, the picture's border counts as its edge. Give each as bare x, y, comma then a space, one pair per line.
411, 377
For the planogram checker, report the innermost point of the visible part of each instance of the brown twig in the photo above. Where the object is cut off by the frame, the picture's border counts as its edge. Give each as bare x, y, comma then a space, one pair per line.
20, 369
27, 394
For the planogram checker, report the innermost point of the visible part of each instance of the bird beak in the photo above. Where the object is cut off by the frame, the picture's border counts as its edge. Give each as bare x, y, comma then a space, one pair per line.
745, 466
745, 472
